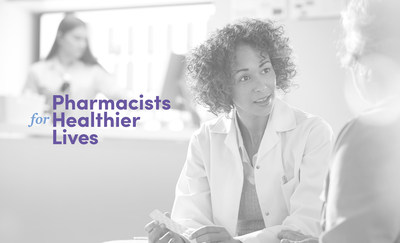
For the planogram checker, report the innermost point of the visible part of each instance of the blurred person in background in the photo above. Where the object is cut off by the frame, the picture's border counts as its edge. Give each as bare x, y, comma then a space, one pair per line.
70, 67
362, 191
259, 167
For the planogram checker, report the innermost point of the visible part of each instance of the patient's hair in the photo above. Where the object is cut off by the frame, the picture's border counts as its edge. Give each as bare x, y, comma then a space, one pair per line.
370, 26
210, 65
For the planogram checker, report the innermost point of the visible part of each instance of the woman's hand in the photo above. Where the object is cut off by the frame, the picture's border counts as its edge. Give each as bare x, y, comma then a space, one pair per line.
212, 234
158, 233
290, 236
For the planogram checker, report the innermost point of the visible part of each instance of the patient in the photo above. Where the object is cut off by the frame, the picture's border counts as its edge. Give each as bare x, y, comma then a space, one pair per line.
362, 190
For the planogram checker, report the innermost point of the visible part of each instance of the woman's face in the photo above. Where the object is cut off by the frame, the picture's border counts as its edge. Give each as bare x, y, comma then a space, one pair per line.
74, 42
254, 82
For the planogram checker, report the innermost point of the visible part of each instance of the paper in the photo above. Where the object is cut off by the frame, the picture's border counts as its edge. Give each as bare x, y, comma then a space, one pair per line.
169, 223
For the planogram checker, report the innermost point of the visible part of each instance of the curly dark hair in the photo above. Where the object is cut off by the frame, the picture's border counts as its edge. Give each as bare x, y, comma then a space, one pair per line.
209, 66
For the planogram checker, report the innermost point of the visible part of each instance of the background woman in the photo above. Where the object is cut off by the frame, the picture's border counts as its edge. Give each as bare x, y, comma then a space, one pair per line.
70, 67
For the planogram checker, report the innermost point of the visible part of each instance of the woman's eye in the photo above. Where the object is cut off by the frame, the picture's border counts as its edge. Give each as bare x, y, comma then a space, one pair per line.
266, 70
244, 78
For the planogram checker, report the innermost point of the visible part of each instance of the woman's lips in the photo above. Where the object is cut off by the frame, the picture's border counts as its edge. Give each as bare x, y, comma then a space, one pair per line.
265, 100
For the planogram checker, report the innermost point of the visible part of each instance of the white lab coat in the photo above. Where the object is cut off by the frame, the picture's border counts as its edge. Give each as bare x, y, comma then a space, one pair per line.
289, 172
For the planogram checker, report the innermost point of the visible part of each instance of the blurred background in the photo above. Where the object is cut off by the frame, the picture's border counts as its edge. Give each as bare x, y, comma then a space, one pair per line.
89, 194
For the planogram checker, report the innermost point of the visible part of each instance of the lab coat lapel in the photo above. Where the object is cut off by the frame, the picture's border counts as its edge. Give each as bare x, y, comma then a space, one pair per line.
226, 126
231, 140
270, 137
232, 175
237, 182
281, 119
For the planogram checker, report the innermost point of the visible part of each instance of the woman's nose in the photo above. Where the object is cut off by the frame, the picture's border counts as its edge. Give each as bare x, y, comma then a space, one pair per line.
261, 85
261, 89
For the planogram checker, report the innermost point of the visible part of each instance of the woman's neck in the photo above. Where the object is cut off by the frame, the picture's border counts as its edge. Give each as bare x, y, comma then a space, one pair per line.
66, 60
252, 128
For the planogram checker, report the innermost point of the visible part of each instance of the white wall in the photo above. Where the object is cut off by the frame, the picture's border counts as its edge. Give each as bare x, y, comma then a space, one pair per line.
321, 78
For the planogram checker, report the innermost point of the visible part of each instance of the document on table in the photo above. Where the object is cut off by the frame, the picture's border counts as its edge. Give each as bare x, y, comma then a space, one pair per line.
170, 224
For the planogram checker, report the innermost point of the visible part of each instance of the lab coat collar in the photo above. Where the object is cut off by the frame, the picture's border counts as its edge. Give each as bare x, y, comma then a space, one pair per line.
282, 119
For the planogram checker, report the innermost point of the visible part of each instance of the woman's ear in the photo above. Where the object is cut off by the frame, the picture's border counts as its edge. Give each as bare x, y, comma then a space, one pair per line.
374, 75
362, 72
359, 75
